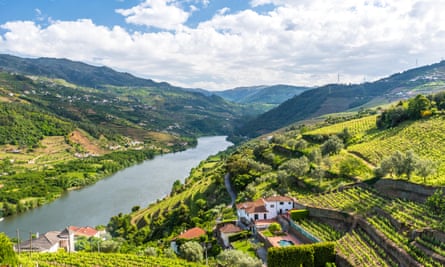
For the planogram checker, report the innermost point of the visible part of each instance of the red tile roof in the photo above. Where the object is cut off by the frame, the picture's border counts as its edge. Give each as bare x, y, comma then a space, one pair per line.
253, 207
230, 228
83, 231
192, 233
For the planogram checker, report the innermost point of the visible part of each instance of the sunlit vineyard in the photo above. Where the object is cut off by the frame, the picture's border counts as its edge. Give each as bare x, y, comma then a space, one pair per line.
359, 249
356, 127
81, 259
355, 199
424, 137
321, 230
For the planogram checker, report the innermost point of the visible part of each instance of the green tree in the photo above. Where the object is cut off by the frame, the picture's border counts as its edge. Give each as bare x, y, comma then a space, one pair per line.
332, 146
417, 105
151, 251
424, 168
296, 167
237, 258
192, 251
7, 254
436, 202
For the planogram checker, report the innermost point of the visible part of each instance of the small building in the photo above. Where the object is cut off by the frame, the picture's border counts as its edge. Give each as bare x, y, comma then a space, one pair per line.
86, 231
49, 242
264, 208
194, 233
226, 231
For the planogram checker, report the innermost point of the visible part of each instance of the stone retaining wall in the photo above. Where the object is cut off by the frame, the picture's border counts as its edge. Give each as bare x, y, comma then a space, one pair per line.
404, 189
397, 254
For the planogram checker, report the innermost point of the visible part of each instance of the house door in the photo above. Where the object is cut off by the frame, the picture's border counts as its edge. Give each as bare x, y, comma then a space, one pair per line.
265, 216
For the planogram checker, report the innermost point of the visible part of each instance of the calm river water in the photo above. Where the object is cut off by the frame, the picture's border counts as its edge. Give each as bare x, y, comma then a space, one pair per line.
138, 185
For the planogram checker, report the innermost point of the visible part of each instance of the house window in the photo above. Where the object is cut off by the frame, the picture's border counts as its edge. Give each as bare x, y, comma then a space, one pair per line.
272, 206
289, 203
256, 216
281, 203
265, 216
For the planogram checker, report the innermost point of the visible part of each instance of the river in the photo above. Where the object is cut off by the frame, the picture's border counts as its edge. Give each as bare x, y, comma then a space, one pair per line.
94, 205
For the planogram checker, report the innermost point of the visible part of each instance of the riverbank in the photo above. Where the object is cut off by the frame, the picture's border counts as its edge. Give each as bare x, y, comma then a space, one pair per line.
138, 185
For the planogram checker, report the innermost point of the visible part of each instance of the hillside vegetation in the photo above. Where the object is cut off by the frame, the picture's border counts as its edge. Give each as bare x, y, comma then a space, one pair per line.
335, 98
323, 165
56, 135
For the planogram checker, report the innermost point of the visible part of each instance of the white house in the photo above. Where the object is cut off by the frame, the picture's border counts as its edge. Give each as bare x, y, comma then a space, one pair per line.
48, 242
264, 208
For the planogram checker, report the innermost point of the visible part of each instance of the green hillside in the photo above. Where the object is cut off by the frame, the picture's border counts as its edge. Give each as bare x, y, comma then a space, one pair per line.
335, 98
56, 135
268, 95
321, 171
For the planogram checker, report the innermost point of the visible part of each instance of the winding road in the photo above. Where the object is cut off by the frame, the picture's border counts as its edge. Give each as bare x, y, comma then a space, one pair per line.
230, 189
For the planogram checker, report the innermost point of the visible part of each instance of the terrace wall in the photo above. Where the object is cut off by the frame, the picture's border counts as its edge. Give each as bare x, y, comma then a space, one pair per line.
397, 254
404, 189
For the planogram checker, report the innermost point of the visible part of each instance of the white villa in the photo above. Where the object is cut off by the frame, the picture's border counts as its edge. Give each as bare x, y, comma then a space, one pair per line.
264, 208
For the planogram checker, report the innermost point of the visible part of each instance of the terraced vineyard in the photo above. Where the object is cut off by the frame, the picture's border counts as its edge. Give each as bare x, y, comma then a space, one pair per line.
321, 230
354, 199
358, 248
356, 127
422, 136
82, 259
401, 240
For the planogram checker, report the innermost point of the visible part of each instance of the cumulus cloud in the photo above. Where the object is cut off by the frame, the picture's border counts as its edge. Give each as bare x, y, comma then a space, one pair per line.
162, 14
304, 42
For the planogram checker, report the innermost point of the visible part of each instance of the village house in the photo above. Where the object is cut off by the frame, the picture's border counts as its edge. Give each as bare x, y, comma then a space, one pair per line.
86, 231
194, 233
49, 242
227, 230
264, 208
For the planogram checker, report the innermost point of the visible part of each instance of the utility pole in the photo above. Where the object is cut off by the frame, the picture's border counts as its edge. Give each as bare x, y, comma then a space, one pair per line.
18, 240
30, 243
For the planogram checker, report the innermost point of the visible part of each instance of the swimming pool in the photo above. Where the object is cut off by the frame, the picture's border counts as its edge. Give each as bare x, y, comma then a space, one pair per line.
285, 243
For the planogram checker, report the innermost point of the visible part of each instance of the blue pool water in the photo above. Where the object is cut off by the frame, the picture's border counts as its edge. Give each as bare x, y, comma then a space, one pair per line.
285, 243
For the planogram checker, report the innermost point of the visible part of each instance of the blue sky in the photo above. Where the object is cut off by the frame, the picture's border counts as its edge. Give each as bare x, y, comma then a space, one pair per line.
222, 44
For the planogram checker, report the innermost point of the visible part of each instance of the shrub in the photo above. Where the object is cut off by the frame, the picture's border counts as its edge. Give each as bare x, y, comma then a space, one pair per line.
239, 236
317, 255
297, 215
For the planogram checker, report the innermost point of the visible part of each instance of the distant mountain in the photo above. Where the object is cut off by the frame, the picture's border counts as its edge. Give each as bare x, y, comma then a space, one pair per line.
275, 94
72, 71
116, 102
334, 98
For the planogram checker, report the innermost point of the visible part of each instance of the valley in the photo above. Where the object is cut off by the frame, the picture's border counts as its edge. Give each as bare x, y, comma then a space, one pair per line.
362, 163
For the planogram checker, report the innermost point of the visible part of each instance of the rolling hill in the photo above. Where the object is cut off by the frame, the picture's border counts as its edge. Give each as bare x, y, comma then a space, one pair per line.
271, 95
335, 98
368, 217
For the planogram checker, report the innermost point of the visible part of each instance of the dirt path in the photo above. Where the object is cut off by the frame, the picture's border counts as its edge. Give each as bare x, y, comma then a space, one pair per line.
230, 189
360, 157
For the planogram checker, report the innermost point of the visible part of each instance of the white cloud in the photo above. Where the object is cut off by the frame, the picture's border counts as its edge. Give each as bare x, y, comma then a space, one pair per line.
305, 42
163, 14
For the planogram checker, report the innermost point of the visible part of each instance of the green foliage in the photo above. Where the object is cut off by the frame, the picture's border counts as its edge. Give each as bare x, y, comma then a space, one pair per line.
297, 215
7, 254
99, 259
436, 202
239, 236
237, 258
405, 164
25, 125
323, 252
332, 146
192, 251
316, 255
274, 227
